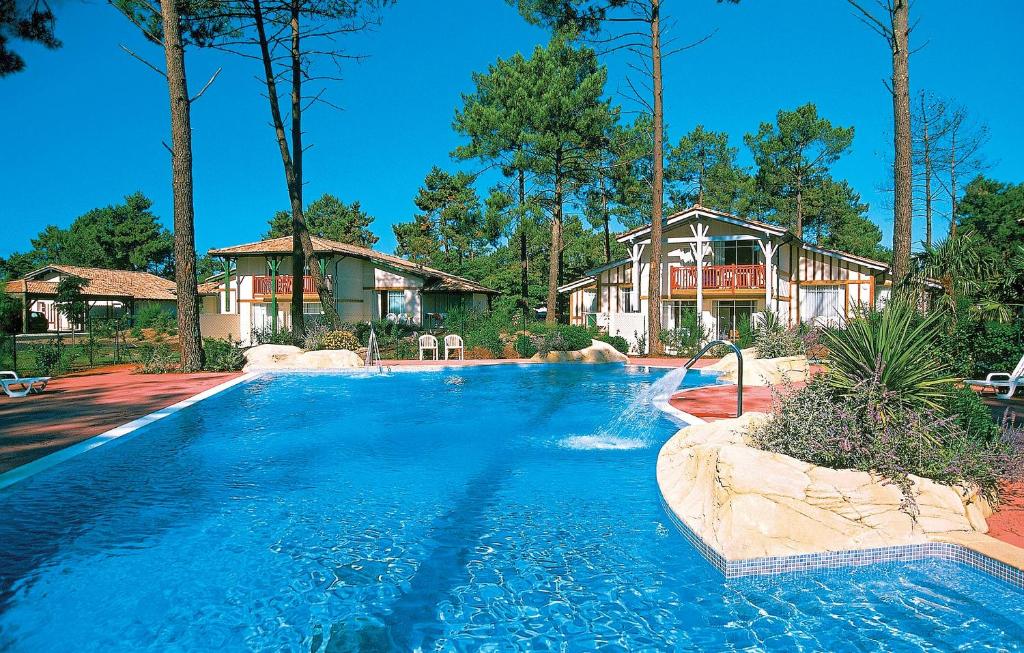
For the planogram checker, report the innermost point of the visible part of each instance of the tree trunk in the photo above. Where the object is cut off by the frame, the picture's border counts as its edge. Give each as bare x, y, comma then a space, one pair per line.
798, 228
293, 182
298, 217
187, 292
524, 255
657, 188
902, 172
952, 181
555, 263
927, 152
607, 224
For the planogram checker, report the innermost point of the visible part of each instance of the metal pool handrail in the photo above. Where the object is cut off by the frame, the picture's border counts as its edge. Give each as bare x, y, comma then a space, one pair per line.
739, 369
373, 351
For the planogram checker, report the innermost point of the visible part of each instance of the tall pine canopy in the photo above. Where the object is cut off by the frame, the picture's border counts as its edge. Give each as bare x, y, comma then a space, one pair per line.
329, 217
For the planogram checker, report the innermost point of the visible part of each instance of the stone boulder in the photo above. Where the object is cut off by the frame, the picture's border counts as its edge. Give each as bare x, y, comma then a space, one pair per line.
597, 352
748, 503
285, 357
762, 371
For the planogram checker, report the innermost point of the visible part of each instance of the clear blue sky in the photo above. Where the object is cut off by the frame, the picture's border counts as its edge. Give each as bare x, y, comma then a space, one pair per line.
83, 125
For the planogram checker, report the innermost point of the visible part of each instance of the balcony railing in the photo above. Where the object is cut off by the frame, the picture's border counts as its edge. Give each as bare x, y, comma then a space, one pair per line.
718, 277
261, 284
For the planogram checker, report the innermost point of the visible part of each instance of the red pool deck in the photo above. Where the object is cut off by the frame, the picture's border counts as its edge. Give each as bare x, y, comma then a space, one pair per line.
77, 407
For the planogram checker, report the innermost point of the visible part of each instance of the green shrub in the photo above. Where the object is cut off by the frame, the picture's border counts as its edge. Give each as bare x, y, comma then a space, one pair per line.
972, 348
641, 341
564, 337
525, 346
340, 340
53, 358
772, 339
155, 317
222, 355
972, 414
870, 429
267, 336
10, 312
159, 359
688, 336
746, 332
894, 348
621, 344
407, 347
488, 336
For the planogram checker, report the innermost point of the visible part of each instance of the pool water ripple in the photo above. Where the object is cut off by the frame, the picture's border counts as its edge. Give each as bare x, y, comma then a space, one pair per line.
472, 509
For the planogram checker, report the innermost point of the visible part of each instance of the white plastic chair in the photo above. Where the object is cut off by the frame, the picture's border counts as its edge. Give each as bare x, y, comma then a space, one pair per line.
427, 343
1010, 381
453, 342
28, 384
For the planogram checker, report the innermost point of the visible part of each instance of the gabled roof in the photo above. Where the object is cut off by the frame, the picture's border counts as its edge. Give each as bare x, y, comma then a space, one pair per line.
100, 282
701, 211
437, 280
698, 210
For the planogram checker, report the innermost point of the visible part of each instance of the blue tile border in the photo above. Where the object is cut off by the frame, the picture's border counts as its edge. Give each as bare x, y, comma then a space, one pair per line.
774, 565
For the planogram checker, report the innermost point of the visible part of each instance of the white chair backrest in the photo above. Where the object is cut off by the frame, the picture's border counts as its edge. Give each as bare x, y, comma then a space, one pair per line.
428, 341
1019, 370
452, 340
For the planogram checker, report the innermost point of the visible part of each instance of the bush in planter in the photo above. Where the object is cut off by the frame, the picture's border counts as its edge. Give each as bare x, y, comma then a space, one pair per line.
894, 348
222, 355
871, 429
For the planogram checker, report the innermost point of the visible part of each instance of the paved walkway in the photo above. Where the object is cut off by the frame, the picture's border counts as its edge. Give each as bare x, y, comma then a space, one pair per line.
77, 407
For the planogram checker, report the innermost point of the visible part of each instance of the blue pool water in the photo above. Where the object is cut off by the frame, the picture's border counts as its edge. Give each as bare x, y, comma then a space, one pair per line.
470, 509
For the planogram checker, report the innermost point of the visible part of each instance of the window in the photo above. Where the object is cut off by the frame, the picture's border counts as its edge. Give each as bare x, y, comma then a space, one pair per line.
626, 299
312, 308
737, 252
673, 313
396, 302
823, 304
732, 316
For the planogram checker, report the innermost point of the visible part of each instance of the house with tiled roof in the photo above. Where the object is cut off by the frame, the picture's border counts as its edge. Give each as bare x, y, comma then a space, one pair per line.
724, 269
256, 288
107, 293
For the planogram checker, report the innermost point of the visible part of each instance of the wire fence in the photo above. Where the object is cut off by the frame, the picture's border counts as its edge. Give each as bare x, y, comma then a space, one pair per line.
106, 343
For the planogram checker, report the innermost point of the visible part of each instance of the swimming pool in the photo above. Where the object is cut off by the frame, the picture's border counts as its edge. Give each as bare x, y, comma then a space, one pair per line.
452, 510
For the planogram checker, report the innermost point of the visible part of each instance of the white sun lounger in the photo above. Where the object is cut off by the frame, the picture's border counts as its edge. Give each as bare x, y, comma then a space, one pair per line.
26, 384
1001, 380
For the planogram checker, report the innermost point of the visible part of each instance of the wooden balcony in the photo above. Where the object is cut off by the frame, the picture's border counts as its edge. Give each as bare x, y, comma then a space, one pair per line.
718, 277
261, 285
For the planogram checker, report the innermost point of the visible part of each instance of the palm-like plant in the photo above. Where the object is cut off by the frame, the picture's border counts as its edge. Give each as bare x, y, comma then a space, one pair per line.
962, 269
895, 348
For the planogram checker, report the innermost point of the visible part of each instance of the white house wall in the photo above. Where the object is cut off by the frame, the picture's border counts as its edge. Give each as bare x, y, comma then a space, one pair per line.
855, 283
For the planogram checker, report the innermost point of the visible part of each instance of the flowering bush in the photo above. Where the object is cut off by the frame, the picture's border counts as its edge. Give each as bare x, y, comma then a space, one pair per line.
867, 428
339, 340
